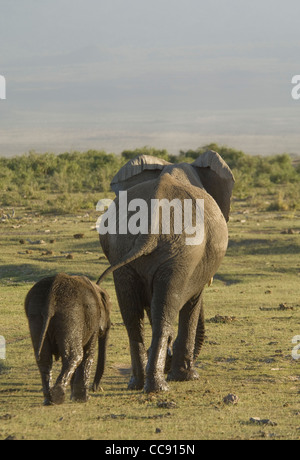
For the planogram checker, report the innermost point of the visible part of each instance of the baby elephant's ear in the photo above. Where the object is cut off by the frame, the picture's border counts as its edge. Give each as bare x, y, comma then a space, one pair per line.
140, 169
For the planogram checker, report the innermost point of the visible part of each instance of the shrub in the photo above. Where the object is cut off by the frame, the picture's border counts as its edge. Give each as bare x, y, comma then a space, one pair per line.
129, 154
25, 177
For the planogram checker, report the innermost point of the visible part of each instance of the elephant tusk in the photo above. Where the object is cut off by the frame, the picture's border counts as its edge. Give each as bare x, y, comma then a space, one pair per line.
210, 281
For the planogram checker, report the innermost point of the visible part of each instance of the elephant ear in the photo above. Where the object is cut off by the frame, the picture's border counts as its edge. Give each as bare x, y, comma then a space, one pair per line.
136, 171
217, 179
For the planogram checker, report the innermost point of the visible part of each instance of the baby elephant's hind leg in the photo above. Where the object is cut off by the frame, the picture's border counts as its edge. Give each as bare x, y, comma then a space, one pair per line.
45, 365
81, 378
70, 361
44, 360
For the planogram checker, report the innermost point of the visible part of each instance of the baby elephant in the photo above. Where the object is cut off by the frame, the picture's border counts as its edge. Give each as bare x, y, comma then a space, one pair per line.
67, 315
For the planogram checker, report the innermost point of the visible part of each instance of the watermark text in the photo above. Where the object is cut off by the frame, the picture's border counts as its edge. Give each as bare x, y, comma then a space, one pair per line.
296, 349
296, 88
2, 347
164, 217
2, 87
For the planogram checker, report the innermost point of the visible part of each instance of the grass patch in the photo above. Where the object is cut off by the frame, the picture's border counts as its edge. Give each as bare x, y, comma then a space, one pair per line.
47, 199
249, 356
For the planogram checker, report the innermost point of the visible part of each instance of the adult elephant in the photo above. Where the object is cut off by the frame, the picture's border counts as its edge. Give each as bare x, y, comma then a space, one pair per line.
164, 272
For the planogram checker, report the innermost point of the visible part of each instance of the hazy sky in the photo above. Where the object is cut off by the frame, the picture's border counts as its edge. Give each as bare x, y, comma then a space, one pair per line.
175, 74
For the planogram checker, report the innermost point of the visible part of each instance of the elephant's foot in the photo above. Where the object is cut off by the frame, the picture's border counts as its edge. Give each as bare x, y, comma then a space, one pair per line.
135, 383
57, 395
79, 394
181, 375
155, 385
47, 401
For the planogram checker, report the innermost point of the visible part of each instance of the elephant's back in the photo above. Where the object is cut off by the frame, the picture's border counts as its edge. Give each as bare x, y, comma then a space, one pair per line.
156, 249
35, 299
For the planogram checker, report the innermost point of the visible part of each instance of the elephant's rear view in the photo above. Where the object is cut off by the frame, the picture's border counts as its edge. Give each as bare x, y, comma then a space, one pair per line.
67, 316
161, 268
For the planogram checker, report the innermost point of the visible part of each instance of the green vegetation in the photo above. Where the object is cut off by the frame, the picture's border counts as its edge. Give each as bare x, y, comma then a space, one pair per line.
252, 308
56, 183
69, 181
274, 176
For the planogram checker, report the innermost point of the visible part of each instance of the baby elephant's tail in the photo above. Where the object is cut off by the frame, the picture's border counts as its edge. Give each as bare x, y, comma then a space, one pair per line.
102, 345
47, 316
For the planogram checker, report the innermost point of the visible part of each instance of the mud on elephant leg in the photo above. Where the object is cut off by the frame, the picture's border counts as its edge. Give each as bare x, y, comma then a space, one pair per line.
200, 332
81, 377
45, 367
155, 380
184, 345
162, 329
138, 360
169, 349
169, 355
132, 310
70, 362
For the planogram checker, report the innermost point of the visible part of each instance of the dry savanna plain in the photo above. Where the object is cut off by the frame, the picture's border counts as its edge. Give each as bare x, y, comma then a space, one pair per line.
249, 386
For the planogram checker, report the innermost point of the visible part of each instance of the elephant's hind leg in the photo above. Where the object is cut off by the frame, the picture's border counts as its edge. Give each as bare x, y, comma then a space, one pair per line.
45, 360
200, 333
163, 318
71, 359
184, 347
128, 288
45, 368
81, 378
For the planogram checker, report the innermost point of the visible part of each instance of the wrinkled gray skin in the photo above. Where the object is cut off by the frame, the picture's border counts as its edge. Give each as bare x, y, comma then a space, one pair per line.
161, 274
67, 316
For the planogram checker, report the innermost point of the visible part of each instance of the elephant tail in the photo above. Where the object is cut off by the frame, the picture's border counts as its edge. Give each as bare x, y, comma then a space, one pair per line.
49, 313
102, 346
136, 252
